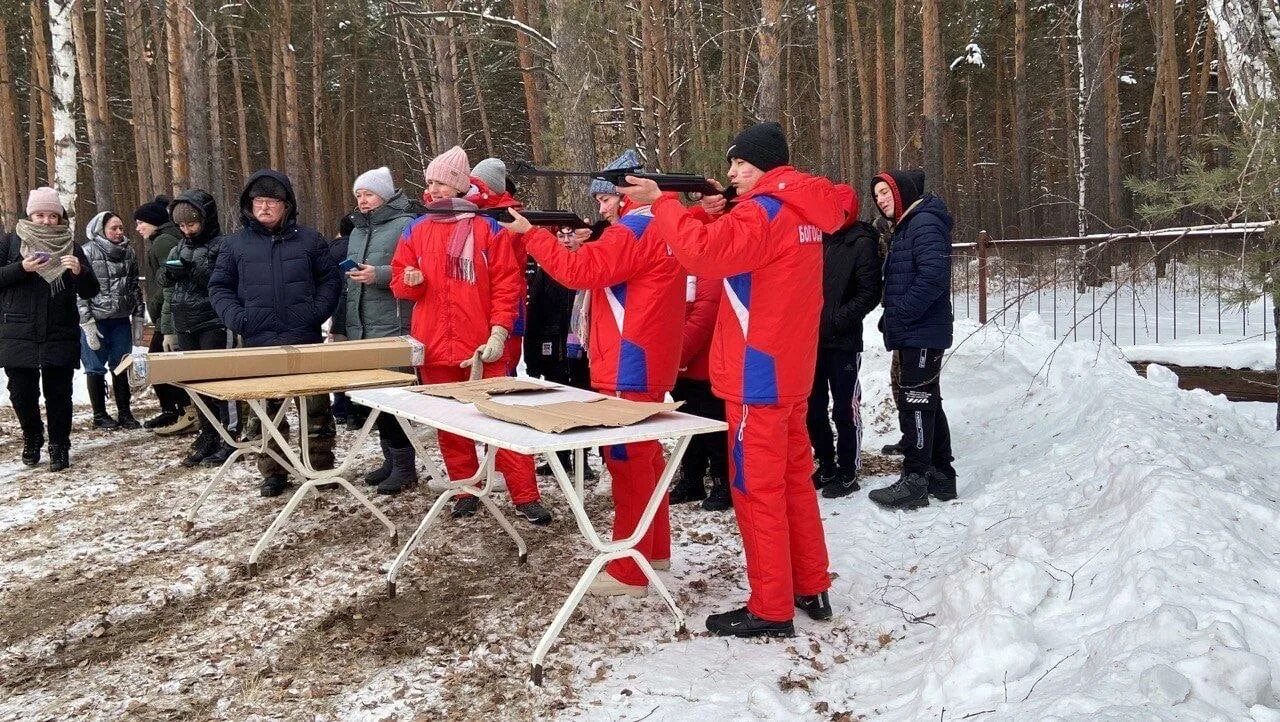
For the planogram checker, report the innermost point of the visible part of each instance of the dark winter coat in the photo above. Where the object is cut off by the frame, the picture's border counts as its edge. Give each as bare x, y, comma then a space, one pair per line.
851, 285
116, 266
547, 325
372, 312
187, 308
39, 329
275, 287
338, 252
158, 247
917, 278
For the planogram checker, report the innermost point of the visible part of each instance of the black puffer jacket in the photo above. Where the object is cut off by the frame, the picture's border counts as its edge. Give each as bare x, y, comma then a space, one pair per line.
187, 308
158, 247
547, 328
37, 328
275, 287
851, 285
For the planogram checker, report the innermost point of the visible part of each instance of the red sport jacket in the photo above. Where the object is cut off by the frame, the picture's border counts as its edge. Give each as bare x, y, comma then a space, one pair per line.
768, 250
637, 301
701, 305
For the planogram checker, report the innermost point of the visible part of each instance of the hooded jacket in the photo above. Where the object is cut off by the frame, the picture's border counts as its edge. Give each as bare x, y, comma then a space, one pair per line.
372, 311
637, 301
37, 328
275, 287
768, 250
851, 279
158, 247
453, 316
116, 266
187, 307
917, 269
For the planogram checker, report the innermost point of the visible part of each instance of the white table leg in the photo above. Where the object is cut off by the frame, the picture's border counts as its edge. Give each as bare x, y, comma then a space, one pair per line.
241, 449
579, 461
608, 552
415, 440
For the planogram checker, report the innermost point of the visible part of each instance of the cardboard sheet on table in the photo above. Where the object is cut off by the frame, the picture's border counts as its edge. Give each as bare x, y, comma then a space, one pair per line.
565, 415
469, 392
274, 387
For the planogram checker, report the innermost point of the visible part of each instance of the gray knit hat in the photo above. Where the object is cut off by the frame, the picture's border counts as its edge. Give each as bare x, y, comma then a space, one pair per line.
377, 181
628, 159
493, 173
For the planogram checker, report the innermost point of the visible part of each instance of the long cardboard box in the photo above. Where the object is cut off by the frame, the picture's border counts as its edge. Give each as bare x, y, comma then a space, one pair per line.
239, 363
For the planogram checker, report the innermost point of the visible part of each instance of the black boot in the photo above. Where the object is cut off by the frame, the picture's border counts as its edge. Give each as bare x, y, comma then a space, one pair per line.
206, 443
742, 623
380, 474
824, 474
98, 400
120, 387
817, 606
273, 485
59, 457
719, 498
941, 486
685, 489
404, 471
911, 491
166, 417
221, 452
31, 446
465, 505
844, 484
535, 513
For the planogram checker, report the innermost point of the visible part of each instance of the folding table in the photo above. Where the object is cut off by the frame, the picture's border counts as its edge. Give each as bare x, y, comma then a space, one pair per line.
256, 392
463, 419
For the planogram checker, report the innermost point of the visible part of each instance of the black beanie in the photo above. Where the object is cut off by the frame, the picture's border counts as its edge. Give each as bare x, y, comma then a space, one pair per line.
762, 145
156, 212
268, 187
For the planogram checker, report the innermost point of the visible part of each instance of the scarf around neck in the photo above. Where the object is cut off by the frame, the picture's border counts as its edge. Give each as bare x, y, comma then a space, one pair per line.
460, 254
54, 240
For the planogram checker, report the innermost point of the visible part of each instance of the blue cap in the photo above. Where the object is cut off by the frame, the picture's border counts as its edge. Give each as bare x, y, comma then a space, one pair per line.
628, 159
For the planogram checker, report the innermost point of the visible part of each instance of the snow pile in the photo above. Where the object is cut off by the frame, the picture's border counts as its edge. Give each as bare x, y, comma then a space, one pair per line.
1113, 555
1259, 355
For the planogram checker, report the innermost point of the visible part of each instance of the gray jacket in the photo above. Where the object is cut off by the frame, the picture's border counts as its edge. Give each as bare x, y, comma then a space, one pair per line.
116, 266
372, 312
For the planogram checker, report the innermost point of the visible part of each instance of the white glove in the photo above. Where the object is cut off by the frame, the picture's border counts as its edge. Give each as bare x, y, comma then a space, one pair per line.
492, 350
92, 335
170, 342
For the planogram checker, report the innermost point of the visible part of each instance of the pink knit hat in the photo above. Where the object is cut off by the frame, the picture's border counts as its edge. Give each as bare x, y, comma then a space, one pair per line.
452, 169
45, 199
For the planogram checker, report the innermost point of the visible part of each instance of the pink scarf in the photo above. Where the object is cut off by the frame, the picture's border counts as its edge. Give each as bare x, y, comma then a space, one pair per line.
460, 256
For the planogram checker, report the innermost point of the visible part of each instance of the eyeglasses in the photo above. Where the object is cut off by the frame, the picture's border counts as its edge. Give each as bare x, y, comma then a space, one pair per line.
264, 202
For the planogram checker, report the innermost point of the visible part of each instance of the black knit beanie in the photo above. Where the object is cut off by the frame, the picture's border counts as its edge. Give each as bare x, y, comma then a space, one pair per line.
762, 145
268, 187
156, 212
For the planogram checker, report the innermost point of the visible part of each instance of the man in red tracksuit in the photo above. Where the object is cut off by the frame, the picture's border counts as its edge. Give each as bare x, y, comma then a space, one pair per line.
633, 342
768, 248
465, 283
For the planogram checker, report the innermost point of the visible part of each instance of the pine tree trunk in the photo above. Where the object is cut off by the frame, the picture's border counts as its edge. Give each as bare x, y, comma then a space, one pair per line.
275, 159
900, 114
40, 47
1021, 155
242, 121
828, 95
866, 93
179, 153
533, 111
64, 98
933, 101
570, 104
884, 131
319, 189
218, 186
195, 95
1172, 90
292, 117
630, 124
12, 163
770, 61
478, 89
648, 89
1114, 138
140, 99
99, 140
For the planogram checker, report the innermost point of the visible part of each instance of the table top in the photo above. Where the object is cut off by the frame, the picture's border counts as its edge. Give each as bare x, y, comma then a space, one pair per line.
290, 385
466, 420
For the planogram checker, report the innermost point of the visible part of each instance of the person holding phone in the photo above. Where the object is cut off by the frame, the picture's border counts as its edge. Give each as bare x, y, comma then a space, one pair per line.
42, 274
381, 217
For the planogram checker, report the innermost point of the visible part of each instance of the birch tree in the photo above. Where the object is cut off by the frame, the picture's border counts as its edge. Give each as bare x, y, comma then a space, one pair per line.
63, 56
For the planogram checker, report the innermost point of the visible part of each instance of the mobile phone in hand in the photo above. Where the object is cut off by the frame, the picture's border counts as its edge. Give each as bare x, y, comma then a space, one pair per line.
174, 263
40, 257
348, 266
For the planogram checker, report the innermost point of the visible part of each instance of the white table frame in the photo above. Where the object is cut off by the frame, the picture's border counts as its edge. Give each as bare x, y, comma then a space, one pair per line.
296, 465
480, 485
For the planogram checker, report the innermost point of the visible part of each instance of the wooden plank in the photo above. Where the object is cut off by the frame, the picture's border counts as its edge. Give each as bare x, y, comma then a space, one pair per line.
1235, 384
278, 387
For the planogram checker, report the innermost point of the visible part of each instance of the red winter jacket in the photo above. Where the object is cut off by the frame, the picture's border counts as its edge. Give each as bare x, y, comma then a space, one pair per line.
452, 317
485, 198
768, 250
701, 305
637, 296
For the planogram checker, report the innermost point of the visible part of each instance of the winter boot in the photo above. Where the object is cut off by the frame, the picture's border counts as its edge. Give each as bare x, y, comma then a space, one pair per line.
166, 417
824, 474
59, 457
465, 505
98, 399
380, 474
31, 446
205, 444
221, 452
941, 486
844, 484
184, 421
120, 387
817, 606
535, 513
719, 498
742, 623
685, 490
911, 491
404, 471
273, 485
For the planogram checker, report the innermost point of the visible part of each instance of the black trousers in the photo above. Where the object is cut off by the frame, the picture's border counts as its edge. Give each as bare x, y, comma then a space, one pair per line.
213, 338
835, 384
171, 398
924, 424
24, 391
707, 454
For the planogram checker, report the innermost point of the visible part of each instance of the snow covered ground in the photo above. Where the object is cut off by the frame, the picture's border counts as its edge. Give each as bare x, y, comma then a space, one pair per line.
1113, 555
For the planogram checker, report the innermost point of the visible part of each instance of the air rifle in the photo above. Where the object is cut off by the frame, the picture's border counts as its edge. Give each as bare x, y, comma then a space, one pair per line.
675, 182
551, 219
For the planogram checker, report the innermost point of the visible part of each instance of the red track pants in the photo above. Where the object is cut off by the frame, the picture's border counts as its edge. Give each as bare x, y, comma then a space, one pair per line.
460, 453
635, 469
770, 470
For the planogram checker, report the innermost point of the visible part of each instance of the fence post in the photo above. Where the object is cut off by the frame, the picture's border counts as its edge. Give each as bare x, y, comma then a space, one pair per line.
983, 241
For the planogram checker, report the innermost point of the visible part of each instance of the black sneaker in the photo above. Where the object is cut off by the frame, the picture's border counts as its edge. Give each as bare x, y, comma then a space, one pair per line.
823, 475
534, 512
719, 498
274, 485
817, 606
161, 420
892, 449
31, 451
221, 452
742, 623
105, 422
126, 421
465, 506
941, 486
844, 484
911, 491
59, 457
